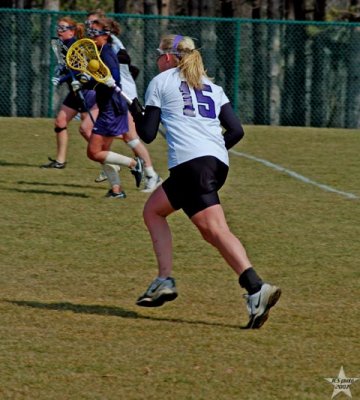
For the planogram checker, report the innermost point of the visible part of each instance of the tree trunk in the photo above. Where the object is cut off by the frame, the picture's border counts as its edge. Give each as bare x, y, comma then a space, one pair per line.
318, 81
164, 7
150, 7
52, 5
119, 6
225, 40
320, 9
259, 84
353, 81
151, 39
272, 114
293, 108
24, 72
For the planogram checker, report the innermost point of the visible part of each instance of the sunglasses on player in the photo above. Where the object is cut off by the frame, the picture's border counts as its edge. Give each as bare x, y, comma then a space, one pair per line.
64, 28
160, 53
92, 32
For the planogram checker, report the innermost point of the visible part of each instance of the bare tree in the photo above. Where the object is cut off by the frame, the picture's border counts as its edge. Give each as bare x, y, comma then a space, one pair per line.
151, 7
119, 6
164, 7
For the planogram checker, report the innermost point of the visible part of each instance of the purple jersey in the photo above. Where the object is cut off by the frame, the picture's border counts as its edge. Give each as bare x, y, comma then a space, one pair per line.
113, 116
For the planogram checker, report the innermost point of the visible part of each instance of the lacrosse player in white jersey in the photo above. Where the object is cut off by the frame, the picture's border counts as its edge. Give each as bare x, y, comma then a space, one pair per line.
193, 111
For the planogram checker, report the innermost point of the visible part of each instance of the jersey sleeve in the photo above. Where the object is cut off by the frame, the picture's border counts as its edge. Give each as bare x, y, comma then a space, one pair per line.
152, 95
223, 99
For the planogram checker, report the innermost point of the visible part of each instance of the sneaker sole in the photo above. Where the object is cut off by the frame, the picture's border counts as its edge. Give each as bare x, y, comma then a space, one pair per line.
259, 321
148, 302
97, 180
153, 189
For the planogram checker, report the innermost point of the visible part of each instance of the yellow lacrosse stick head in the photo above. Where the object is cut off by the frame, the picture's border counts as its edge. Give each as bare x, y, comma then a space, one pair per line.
84, 56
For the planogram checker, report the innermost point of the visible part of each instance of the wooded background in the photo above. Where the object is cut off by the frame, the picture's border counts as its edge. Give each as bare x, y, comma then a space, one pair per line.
291, 72
301, 10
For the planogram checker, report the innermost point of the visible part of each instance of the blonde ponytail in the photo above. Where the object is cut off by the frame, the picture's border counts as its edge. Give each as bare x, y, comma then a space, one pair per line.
189, 58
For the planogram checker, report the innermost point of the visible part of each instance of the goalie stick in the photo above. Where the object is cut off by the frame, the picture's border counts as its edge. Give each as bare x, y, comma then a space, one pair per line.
60, 51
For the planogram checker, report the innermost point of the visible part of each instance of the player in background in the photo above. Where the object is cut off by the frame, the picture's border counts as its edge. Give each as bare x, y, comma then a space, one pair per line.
112, 120
68, 31
193, 110
131, 138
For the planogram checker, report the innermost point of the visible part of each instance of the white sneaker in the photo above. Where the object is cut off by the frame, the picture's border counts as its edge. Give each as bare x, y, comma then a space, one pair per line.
259, 304
101, 177
151, 183
158, 293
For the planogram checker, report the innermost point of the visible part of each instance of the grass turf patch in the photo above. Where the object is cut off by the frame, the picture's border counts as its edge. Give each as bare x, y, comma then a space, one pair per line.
73, 263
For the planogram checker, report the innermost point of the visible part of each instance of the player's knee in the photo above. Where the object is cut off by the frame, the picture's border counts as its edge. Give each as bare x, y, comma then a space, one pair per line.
59, 129
209, 233
85, 133
149, 214
91, 155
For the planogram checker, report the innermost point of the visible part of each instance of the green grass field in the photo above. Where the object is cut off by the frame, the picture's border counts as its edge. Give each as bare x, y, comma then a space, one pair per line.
73, 263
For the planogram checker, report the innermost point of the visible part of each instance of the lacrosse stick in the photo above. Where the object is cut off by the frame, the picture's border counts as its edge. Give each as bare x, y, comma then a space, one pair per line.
60, 51
84, 56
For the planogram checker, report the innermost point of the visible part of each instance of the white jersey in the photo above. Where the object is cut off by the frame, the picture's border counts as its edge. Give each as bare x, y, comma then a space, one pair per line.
127, 81
191, 117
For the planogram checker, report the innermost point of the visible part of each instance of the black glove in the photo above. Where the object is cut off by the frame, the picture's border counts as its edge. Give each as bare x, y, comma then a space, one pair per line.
123, 57
134, 71
136, 109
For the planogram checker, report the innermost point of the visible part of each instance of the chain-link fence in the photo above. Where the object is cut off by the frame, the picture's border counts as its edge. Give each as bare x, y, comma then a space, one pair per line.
275, 72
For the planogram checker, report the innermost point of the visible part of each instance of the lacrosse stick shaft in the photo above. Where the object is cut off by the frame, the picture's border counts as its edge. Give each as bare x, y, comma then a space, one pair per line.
82, 98
124, 95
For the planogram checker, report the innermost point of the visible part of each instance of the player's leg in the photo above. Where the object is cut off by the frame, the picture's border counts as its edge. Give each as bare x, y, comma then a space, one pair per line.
87, 124
131, 138
261, 296
112, 175
64, 116
215, 230
105, 126
163, 288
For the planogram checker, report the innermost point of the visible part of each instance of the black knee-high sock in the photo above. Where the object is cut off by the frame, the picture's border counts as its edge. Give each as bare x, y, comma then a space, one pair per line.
250, 280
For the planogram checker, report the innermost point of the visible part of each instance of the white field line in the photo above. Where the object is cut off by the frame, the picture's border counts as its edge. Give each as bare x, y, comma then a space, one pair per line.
295, 175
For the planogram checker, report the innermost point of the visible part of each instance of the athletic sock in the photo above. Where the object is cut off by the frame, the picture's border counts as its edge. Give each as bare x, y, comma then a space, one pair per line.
118, 159
149, 172
250, 280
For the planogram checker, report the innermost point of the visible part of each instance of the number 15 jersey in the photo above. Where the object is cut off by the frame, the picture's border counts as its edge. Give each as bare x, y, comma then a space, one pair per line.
190, 116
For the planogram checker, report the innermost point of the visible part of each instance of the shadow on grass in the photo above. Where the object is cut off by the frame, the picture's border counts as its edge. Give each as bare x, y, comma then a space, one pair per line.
71, 185
4, 163
110, 311
35, 191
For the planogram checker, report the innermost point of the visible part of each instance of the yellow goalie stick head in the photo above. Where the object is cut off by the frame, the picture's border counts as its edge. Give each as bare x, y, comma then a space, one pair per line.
84, 56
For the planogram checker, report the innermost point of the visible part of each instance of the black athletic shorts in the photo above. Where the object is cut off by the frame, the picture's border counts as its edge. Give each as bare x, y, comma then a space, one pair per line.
193, 185
74, 101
